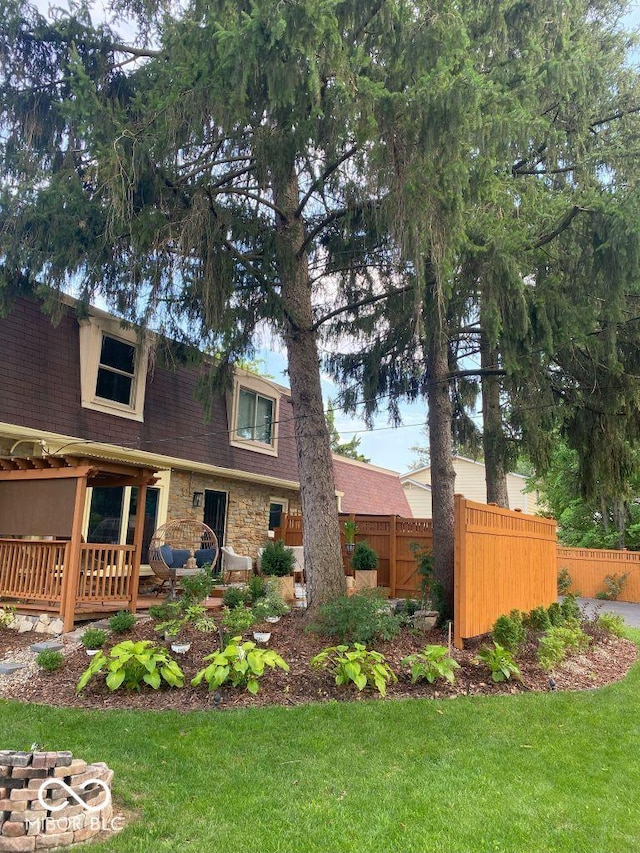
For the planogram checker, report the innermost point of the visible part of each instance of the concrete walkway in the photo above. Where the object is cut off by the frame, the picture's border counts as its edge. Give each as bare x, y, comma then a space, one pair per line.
630, 612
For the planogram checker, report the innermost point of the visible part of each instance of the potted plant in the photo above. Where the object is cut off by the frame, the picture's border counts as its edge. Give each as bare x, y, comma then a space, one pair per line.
350, 528
278, 562
427, 616
365, 564
93, 640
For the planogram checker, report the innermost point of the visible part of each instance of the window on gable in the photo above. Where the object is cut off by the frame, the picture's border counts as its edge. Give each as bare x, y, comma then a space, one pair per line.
116, 371
255, 417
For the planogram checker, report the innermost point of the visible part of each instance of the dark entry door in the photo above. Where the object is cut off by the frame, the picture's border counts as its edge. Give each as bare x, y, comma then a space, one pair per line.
215, 512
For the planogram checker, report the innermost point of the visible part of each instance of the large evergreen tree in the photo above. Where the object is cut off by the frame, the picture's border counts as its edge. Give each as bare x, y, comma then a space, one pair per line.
204, 180
516, 123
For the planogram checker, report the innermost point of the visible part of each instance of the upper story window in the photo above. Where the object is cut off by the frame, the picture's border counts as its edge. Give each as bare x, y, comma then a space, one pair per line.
253, 413
255, 417
116, 371
113, 368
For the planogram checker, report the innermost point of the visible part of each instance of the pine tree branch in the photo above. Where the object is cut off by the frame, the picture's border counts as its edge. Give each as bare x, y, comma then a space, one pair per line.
138, 51
564, 223
367, 300
331, 168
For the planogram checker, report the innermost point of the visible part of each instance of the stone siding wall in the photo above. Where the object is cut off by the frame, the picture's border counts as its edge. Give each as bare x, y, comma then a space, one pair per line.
247, 507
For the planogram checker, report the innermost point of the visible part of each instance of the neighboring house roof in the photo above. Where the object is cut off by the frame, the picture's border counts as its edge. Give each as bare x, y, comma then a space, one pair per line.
367, 489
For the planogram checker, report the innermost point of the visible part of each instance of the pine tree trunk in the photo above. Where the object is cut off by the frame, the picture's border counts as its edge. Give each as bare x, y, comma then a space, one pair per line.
493, 439
443, 474
322, 555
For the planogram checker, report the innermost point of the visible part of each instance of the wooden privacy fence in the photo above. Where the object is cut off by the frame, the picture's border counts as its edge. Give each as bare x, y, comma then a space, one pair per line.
503, 559
390, 536
589, 566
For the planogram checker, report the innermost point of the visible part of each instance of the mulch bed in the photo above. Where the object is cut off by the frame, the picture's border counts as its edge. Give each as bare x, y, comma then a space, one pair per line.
607, 660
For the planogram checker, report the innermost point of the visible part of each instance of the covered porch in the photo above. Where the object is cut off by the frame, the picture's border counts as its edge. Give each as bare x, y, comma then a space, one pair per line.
45, 566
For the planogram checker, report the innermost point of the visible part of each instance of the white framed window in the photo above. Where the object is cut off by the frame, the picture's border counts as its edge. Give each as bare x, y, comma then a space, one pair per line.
253, 415
113, 367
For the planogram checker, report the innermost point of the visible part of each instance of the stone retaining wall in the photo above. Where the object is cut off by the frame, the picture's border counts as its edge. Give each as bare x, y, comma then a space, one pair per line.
25, 823
42, 624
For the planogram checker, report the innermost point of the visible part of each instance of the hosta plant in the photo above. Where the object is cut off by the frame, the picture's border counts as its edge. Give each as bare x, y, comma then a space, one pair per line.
133, 664
432, 663
499, 661
243, 664
364, 667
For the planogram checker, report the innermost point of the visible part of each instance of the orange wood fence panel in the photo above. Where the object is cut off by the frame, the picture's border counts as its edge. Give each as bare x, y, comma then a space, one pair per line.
588, 567
504, 560
390, 536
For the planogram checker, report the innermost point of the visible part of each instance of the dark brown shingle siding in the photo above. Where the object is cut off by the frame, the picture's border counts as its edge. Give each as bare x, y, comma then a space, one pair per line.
40, 389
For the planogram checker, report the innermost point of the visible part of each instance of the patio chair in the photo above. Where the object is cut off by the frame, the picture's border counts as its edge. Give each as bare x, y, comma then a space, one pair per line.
178, 542
235, 564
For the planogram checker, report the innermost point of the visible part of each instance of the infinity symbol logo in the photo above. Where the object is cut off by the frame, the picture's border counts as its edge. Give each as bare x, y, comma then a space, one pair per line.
58, 783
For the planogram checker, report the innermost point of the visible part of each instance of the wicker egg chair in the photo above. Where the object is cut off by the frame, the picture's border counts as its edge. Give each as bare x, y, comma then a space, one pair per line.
180, 548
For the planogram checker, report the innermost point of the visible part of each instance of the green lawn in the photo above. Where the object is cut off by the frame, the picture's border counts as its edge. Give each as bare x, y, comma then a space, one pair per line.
530, 773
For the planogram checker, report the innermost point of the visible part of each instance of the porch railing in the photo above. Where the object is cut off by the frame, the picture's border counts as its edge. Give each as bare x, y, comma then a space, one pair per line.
32, 571
105, 573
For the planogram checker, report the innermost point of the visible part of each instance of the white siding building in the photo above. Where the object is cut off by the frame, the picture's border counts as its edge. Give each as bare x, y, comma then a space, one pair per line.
470, 482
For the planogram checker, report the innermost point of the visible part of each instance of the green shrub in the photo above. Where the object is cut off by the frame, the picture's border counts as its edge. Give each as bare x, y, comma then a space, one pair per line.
50, 660
243, 664
573, 637
551, 651
238, 620
94, 638
132, 665
361, 618
424, 560
405, 609
122, 622
611, 623
509, 631
362, 666
570, 608
364, 558
166, 610
432, 663
556, 616
499, 661
538, 619
558, 642
257, 588
613, 586
171, 627
6, 615
195, 588
235, 596
277, 560
564, 581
